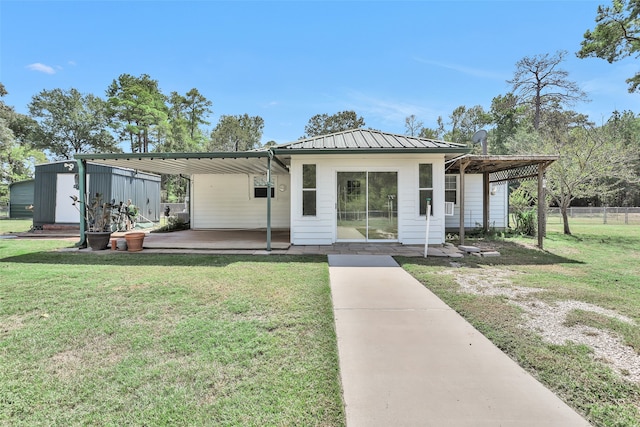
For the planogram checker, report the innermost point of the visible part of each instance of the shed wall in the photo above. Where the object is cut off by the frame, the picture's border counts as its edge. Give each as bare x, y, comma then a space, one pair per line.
20, 198
113, 183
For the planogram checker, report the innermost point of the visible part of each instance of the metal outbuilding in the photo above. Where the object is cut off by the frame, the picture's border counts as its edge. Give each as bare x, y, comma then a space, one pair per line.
56, 182
21, 199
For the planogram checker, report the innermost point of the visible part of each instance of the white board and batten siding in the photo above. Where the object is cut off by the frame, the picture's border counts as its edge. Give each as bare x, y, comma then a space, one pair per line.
222, 201
321, 229
473, 210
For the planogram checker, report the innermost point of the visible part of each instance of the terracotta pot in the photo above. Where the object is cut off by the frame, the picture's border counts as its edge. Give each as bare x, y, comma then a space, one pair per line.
134, 241
98, 240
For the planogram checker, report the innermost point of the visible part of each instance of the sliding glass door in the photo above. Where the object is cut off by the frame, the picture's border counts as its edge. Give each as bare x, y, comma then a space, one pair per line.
367, 206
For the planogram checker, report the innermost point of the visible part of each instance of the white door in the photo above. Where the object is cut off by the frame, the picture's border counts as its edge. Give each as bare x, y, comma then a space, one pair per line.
65, 211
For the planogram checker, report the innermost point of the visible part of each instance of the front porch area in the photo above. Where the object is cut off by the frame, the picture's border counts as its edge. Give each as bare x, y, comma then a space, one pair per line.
253, 242
224, 239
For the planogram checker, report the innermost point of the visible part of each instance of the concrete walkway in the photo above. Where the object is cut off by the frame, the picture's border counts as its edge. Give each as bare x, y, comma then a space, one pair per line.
407, 359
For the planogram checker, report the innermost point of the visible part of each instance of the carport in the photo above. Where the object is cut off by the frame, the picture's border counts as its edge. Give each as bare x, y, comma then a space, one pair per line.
260, 162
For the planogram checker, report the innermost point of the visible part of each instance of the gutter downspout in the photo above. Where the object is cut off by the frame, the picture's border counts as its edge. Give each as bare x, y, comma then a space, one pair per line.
82, 189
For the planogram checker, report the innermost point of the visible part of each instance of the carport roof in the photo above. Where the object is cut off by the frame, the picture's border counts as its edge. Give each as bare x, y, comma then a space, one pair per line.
245, 162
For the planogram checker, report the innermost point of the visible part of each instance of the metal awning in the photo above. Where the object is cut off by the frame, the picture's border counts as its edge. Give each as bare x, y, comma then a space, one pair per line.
246, 162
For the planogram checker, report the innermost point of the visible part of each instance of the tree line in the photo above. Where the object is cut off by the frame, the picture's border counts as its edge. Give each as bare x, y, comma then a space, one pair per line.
598, 162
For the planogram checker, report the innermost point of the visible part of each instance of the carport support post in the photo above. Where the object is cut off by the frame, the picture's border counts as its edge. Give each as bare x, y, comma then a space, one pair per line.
269, 201
82, 190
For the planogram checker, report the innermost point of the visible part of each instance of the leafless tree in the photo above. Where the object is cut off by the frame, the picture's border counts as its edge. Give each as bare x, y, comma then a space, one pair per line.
412, 125
539, 81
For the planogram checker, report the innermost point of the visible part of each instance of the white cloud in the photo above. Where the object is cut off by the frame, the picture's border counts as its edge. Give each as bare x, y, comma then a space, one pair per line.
390, 112
41, 68
475, 72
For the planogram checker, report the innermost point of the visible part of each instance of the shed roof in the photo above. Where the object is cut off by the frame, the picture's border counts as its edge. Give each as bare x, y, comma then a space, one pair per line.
368, 140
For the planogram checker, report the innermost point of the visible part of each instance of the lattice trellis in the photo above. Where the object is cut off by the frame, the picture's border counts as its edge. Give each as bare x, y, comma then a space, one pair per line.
517, 174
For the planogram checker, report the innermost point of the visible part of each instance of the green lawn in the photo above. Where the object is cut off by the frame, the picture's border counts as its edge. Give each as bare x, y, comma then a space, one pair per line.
599, 265
14, 225
148, 339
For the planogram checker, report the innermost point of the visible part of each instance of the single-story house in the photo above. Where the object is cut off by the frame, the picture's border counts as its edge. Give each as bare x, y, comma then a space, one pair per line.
353, 186
57, 182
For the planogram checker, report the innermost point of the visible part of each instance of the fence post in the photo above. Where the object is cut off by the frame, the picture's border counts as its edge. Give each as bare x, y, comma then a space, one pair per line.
626, 215
604, 214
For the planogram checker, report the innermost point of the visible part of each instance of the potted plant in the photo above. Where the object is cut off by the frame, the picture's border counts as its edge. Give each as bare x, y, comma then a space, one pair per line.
98, 215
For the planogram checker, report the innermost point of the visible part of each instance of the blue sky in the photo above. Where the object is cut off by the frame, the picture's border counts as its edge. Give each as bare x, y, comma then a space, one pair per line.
287, 61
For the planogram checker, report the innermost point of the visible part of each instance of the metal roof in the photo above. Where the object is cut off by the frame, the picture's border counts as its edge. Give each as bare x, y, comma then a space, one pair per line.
246, 162
370, 141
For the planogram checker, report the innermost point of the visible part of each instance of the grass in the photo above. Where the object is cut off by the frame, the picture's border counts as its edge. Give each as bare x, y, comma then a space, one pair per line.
146, 339
600, 265
151, 339
14, 225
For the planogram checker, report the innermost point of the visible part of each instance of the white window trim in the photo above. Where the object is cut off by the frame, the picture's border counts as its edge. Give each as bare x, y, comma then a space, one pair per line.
300, 208
253, 186
457, 177
425, 188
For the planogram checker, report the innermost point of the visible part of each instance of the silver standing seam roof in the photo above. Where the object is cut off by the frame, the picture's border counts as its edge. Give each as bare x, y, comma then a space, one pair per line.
369, 140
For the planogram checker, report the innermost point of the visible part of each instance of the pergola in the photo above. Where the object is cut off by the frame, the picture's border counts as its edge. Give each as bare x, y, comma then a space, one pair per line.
501, 169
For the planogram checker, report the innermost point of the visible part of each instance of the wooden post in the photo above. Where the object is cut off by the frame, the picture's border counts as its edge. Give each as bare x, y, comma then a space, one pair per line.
463, 166
485, 201
541, 205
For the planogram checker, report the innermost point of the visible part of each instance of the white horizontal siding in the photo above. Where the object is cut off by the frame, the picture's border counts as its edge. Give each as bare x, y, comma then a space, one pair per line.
473, 211
226, 201
321, 229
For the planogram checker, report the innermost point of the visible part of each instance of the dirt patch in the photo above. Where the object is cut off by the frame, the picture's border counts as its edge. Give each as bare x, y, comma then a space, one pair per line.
97, 352
10, 324
548, 319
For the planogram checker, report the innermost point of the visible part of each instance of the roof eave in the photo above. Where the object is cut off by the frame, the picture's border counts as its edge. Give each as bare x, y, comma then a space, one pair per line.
453, 150
140, 156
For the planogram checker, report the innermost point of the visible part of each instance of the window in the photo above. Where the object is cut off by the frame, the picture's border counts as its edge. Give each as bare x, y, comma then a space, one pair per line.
425, 185
308, 190
451, 188
260, 187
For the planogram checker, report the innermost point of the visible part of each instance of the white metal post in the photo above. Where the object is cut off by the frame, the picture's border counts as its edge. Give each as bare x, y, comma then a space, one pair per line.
426, 239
